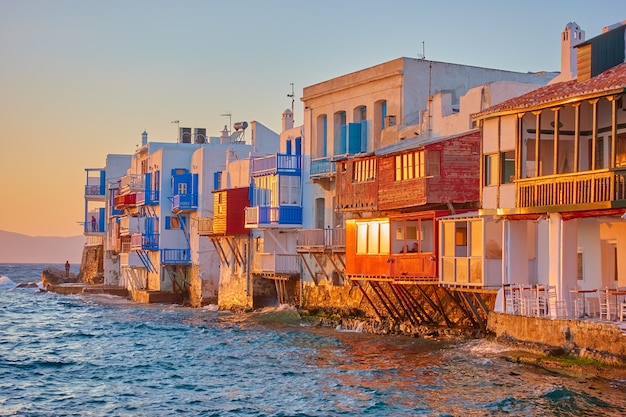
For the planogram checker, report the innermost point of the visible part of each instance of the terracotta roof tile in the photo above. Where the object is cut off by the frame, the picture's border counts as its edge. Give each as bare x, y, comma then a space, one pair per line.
611, 79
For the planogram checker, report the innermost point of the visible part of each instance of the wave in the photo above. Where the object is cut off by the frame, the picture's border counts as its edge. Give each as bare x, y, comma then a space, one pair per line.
6, 283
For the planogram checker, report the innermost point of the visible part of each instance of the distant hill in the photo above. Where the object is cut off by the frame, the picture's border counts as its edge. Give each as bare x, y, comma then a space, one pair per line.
18, 248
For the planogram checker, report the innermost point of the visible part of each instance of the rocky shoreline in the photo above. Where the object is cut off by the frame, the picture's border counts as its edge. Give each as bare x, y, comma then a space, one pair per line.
542, 356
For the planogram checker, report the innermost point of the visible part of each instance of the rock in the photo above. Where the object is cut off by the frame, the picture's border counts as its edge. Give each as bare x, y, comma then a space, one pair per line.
54, 276
27, 285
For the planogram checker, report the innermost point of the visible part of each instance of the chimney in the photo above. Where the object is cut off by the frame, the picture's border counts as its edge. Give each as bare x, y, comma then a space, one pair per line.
144, 138
287, 120
572, 35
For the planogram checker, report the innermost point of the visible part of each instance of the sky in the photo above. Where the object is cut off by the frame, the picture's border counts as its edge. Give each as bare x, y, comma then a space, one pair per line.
80, 79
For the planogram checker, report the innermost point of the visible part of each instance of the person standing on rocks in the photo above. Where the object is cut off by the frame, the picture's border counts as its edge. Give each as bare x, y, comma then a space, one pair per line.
67, 269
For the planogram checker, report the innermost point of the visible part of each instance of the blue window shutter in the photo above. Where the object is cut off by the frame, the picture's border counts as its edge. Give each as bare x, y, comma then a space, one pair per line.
168, 222
298, 145
344, 144
148, 182
364, 135
103, 182
288, 147
383, 113
194, 184
325, 136
354, 138
149, 225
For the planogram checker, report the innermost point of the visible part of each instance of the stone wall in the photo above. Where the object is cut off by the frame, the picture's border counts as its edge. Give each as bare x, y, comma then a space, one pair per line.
92, 265
586, 338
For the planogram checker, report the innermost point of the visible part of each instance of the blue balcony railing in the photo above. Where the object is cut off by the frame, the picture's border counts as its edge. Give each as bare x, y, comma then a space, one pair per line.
185, 202
175, 256
144, 241
277, 163
152, 197
323, 166
260, 216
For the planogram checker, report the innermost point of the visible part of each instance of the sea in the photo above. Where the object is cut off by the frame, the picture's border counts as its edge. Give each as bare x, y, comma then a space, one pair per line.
95, 355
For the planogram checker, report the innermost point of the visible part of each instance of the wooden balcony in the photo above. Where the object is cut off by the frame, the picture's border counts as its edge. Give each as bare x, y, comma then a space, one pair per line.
205, 226
125, 201
316, 240
577, 191
270, 263
131, 182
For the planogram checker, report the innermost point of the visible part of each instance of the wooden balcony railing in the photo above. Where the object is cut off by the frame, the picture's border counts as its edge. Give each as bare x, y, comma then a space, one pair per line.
275, 263
133, 182
205, 226
322, 238
572, 189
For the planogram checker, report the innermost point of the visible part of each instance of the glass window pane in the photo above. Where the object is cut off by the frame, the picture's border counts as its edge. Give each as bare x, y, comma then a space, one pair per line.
361, 238
372, 238
384, 238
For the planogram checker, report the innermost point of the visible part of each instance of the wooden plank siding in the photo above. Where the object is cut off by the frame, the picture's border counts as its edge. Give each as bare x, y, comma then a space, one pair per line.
355, 195
228, 206
458, 180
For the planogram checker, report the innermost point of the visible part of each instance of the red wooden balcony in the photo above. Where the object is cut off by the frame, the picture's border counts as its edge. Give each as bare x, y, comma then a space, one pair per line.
125, 201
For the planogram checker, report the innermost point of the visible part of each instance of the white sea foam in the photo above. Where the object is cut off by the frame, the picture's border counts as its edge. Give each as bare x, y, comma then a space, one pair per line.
6, 283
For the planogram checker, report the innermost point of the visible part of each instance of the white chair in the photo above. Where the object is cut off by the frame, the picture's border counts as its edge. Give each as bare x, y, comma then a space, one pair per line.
605, 304
622, 311
511, 297
556, 308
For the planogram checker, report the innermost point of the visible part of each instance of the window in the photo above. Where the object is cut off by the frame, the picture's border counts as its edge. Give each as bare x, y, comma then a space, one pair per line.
182, 188
266, 191
413, 235
491, 170
172, 222
413, 165
620, 150
579, 266
364, 170
507, 159
372, 238
289, 190
434, 158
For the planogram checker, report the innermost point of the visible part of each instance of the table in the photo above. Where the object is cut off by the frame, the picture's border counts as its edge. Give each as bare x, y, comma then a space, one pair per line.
584, 293
616, 293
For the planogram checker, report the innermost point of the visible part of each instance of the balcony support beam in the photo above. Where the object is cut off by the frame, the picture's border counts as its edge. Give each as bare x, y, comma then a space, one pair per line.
576, 137
537, 114
594, 132
557, 131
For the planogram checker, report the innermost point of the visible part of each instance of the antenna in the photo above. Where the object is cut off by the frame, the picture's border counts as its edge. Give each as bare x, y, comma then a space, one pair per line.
292, 95
230, 120
423, 54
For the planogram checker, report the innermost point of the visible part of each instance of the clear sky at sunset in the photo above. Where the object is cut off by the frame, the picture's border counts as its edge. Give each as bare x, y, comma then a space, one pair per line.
80, 79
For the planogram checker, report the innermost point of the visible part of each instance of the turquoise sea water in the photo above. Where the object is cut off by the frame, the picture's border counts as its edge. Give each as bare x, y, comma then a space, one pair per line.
105, 356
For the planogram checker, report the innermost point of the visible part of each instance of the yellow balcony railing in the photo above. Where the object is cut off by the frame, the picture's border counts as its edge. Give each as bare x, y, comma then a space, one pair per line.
572, 189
